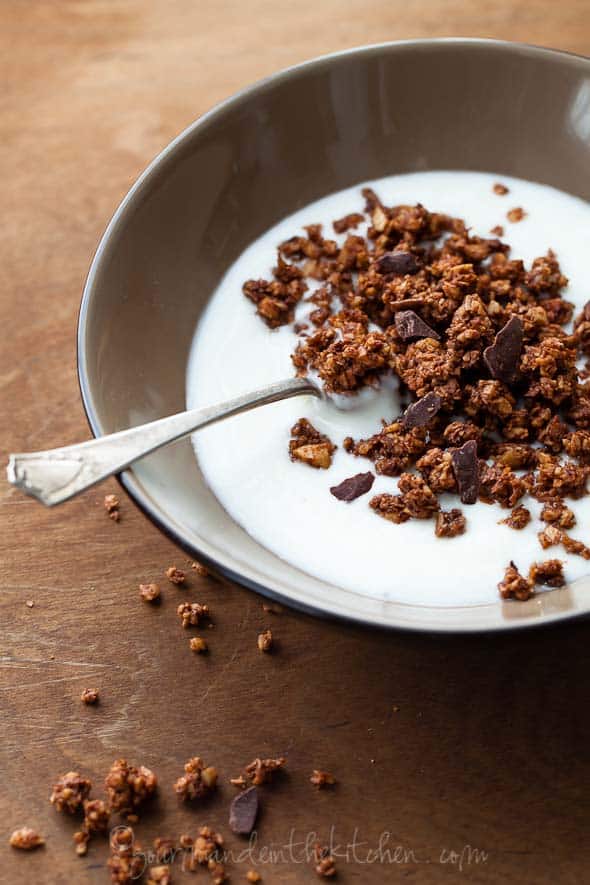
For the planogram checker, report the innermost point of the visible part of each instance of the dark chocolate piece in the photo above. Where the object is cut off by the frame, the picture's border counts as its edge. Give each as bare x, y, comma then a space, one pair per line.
397, 262
418, 414
502, 357
466, 469
243, 811
354, 487
409, 325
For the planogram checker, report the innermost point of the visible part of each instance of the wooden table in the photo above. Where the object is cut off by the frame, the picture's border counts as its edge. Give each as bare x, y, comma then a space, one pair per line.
472, 753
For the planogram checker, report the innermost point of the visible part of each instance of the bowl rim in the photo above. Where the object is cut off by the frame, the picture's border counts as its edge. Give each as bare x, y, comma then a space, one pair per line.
127, 479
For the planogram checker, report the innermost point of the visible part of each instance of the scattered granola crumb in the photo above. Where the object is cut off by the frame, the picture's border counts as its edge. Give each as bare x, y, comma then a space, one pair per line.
128, 787
322, 779
310, 446
149, 592
498, 231
549, 572
89, 696
165, 850
500, 189
514, 585
175, 575
198, 645
207, 850
272, 608
81, 839
125, 864
70, 791
201, 570
25, 838
557, 513
159, 875
111, 505
259, 771
197, 781
192, 613
449, 523
253, 876
516, 214
265, 641
29, 603
324, 862
518, 519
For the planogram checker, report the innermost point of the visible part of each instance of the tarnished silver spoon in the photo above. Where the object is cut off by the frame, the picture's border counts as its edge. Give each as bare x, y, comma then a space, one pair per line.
57, 475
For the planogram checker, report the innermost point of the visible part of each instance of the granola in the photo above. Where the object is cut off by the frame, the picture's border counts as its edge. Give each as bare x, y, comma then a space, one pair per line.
197, 781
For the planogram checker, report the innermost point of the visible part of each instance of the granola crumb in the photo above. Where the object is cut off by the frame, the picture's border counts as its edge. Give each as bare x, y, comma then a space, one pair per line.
200, 569
259, 771
29, 603
310, 446
125, 863
449, 523
175, 575
192, 613
128, 787
111, 505
265, 641
253, 876
26, 839
150, 592
90, 696
519, 518
514, 585
207, 850
197, 781
497, 231
198, 645
272, 608
549, 572
515, 215
70, 791
165, 850
325, 865
500, 189
159, 875
322, 779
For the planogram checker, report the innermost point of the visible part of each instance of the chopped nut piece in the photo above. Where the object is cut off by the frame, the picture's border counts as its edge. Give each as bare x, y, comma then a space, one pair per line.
26, 839
201, 570
175, 575
149, 592
549, 572
89, 696
192, 613
518, 519
498, 231
69, 792
128, 787
322, 779
514, 585
324, 862
198, 645
265, 641
516, 214
500, 189
197, 781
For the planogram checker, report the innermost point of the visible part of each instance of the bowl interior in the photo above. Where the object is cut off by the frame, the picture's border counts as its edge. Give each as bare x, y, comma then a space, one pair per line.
317, 128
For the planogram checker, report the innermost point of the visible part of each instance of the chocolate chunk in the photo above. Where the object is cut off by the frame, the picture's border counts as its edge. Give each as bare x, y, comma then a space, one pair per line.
410, 325
398, 263
243, 811
354, 487
466, 469
503, 355
418, 414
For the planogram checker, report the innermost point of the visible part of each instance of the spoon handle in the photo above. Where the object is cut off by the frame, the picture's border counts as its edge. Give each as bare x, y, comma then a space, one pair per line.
57, 475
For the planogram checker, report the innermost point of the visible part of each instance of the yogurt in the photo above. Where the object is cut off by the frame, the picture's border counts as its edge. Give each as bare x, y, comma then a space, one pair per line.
287, 506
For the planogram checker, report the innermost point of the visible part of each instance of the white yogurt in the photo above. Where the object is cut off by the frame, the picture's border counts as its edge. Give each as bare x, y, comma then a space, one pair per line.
287, 506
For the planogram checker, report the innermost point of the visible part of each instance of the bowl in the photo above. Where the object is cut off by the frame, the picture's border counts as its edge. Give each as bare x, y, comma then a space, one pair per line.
273, 148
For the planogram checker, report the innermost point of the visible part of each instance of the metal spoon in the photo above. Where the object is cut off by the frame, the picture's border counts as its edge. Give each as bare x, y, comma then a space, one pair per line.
57, 475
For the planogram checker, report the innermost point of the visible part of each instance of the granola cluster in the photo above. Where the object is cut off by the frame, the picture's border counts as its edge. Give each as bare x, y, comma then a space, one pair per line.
498, 409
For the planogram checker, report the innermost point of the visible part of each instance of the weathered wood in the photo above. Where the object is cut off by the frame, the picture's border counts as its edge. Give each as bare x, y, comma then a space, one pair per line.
479, 742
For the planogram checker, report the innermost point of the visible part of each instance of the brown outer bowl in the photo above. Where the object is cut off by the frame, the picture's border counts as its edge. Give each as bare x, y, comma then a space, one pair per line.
267, 151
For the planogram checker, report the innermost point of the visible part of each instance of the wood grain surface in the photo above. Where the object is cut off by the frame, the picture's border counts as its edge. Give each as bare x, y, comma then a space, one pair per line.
447, 745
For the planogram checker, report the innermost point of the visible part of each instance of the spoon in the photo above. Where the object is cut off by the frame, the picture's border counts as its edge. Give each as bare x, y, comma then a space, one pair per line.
57, 475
